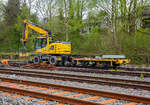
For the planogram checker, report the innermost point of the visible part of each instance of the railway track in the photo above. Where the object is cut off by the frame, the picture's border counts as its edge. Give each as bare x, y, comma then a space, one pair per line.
95, 69
128, 73
80, 78
134, 68
131, 72
126, 68
51, 92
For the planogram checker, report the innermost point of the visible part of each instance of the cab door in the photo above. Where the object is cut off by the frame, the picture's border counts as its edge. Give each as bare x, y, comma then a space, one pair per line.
44, 45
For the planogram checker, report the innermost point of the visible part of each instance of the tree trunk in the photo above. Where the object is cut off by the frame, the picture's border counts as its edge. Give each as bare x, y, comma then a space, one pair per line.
66, 21
134, 18
114, 24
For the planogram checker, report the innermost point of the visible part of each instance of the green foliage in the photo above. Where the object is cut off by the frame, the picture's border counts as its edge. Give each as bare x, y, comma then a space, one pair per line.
19, 27
12, 9
74, 34
13, 33
93, 27
119, 70
142, 76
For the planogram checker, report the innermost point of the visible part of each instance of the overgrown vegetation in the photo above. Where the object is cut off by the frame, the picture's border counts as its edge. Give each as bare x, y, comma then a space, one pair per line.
93, 27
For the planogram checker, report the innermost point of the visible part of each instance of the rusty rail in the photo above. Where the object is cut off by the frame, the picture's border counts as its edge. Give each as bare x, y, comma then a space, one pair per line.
89, 79
48, 96
87, 70
132, 98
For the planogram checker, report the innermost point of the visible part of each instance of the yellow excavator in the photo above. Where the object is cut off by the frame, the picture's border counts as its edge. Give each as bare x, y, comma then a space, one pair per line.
46, 49
59, 52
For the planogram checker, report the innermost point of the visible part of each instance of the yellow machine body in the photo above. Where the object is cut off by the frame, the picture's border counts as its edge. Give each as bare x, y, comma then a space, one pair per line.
59, 52
52, 47
44, 43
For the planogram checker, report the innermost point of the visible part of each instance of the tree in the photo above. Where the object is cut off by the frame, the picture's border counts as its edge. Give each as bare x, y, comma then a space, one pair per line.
1, 10
19, 27
12, 11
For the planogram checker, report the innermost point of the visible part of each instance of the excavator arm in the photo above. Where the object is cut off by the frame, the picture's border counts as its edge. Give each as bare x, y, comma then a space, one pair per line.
29, 25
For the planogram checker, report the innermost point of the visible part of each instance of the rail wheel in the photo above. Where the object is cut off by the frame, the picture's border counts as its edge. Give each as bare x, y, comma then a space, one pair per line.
93, 64
85, 64
66, 61
105, 65
115, 66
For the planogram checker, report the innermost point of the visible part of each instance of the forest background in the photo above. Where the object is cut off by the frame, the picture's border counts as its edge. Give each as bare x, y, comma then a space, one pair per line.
94, 27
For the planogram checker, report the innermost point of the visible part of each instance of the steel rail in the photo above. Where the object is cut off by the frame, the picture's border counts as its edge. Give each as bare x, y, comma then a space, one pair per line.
138, 99
128, 68
133, 73
145, 74
48, 96
125, 68
89, 79
134, 68
80, 76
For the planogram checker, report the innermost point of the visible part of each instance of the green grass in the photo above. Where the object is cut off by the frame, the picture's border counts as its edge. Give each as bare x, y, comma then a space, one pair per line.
142, 76
116, 70
4, 53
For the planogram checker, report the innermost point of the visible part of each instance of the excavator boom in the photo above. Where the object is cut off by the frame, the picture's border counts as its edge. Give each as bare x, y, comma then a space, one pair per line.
29, 25
45, 43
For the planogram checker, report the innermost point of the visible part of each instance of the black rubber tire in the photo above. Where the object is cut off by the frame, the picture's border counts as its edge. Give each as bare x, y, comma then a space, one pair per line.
85, 64
115, 66
53, 60
36, 60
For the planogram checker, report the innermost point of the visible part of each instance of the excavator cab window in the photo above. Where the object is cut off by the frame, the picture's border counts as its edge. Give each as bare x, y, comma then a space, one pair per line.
37, 43
40, 43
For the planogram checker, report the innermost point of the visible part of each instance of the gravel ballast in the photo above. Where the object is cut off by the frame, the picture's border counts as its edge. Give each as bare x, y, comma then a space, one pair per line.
8, 100
130, 91
88, 74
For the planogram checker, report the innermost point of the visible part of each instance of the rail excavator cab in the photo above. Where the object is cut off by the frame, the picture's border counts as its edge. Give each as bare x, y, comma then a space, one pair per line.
40, 43
44, 45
